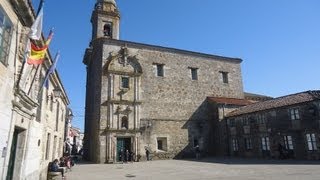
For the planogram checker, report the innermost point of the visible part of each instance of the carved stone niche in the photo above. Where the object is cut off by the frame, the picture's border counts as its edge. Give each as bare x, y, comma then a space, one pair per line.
124, 56
122, 62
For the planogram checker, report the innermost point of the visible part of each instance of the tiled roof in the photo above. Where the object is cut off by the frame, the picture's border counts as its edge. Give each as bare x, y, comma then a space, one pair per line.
229, 101
277, 102
256, 97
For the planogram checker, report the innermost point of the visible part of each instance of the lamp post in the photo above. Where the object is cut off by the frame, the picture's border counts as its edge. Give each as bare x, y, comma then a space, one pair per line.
57, 93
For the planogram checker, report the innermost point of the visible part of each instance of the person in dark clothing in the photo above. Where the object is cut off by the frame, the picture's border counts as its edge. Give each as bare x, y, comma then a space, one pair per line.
280, 149
74, 150
197, 149
62, 162
132, 156
127, 155
121, 158
55, 167
148, 154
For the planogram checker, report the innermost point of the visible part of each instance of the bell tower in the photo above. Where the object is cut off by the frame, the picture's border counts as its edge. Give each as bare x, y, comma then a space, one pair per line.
105, 20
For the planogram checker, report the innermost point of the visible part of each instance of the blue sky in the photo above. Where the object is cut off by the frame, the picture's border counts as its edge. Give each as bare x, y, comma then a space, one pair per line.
278, 40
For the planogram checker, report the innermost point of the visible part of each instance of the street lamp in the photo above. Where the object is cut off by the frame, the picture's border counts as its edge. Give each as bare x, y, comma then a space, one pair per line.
70, 117
57, 92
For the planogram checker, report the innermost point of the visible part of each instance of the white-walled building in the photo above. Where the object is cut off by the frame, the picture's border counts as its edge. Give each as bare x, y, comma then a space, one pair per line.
32, 119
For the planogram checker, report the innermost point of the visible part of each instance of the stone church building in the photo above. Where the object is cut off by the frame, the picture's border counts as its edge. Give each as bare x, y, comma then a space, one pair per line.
142, 96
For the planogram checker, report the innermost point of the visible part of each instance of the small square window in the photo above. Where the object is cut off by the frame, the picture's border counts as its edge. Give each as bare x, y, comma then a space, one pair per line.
194, 73
224, 76
125, 82
162, 143
160, 72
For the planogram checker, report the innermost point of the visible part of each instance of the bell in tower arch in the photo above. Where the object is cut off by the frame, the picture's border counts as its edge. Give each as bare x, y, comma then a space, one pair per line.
107, 29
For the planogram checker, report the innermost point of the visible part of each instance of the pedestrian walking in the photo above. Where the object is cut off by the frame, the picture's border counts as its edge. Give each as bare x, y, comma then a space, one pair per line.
148, 154
132, 156
127, 155
197, 150
121, 156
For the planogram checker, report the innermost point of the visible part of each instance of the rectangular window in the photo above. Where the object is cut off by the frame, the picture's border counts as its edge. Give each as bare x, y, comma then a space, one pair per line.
51, 102
232, 122
60, 145
312, 143
162, 143
294, 114
125, 82
48, 146
245, 121
265, 143
160, 71
194, 73
57, 116
248, 143
62, 115
235, 146
288, 142
224, 76
54, 149
5, 37
261, 118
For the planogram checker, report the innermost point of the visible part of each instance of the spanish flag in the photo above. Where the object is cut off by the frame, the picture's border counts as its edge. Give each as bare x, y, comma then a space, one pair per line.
38, 54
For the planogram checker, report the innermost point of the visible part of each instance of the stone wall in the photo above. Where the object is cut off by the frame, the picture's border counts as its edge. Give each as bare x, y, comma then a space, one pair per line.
7, 72
175, 103
176, 96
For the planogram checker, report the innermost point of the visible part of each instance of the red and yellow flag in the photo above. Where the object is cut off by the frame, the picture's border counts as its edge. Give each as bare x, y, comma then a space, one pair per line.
38, 54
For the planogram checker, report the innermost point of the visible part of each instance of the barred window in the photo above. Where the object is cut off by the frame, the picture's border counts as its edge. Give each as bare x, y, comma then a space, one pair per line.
5, 37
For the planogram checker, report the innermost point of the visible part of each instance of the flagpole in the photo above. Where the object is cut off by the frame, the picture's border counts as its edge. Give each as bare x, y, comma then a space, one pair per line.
40, 6
27, 44
51, 69
20, 74
34, 78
